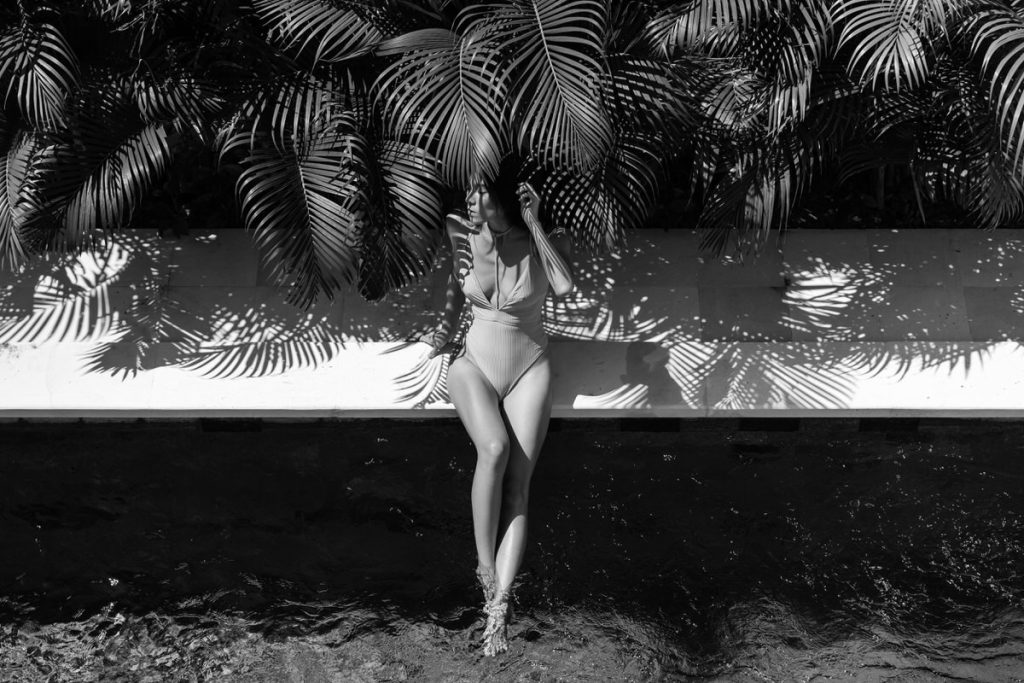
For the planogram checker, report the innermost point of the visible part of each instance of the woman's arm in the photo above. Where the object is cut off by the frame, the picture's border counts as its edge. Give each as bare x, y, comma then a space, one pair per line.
555, 250
454, 300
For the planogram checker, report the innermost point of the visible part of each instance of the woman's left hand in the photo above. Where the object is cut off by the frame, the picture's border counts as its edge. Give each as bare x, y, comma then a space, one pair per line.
529, 200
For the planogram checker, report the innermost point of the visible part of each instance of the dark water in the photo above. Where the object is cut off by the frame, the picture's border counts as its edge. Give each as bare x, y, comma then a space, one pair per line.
343, 552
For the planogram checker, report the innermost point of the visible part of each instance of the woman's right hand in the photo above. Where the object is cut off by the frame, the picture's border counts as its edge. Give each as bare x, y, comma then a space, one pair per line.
447, 348
437, 341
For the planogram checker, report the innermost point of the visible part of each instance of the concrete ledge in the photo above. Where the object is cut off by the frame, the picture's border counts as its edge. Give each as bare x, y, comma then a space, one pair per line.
824, 324
592, 379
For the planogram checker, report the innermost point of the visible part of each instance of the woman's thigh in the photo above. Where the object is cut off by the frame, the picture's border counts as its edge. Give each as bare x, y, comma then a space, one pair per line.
476, 404
527, 411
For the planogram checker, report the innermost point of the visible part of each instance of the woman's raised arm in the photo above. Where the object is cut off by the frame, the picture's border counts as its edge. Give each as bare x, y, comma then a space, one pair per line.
555, 250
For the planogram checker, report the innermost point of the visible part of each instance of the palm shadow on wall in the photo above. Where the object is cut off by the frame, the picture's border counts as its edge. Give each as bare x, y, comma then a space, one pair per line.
830, 312
118, 297
119, 301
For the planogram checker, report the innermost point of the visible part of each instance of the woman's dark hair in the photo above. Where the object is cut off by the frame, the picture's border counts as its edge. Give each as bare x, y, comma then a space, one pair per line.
503, 188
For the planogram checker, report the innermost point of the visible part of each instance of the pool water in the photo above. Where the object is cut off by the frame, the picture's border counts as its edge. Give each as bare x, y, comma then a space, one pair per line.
343, 551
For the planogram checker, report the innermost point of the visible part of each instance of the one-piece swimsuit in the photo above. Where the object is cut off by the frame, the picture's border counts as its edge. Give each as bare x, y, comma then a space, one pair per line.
506, 336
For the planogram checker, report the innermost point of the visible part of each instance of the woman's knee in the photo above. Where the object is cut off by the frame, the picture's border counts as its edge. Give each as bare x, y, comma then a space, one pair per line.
493, 452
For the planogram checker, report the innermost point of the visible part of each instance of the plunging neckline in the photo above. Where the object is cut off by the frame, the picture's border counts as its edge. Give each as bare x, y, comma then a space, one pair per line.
497, 284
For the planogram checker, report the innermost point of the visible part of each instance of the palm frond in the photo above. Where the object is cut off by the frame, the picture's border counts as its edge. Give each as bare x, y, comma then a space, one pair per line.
109, 164
813, 28
180, 99
601, 206
626, 28
711, 26
400, 209
331, 34
290, 110
112, 10
787, 102
446, 95
38, 69
662, 98
737, 102
961, 139
298, 205
766, 178
947, 135
551, 50
787, 50
888, 38
997, 37
20, 198
710, 152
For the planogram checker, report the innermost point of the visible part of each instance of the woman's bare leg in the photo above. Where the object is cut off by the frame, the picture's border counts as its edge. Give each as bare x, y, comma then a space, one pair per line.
477, 407
526, 410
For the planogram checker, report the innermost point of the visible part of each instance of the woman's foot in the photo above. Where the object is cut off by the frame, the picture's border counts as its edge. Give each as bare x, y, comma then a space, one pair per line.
495, 638
488, 582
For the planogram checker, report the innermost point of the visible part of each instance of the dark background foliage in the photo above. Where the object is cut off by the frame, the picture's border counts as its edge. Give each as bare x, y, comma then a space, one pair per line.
339, 133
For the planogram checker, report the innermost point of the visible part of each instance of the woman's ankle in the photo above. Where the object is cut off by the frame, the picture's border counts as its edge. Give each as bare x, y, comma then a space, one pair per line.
488, 581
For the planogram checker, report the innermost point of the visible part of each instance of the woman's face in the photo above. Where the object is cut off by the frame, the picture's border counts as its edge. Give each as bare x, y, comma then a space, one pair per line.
482, 209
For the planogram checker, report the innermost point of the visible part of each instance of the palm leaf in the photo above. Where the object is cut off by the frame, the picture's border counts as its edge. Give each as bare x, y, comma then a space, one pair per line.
786, 50
998, 39
109, 165
446, 95
289, 111
947, 134
812, 25
662, 98
112, 10
400, 207
766, 178
968, 155
887, 38
21, 201
298, 205
38, 69
551, 50
612, 199
707, 25
180, 99
738, 102
331, 34
626, 27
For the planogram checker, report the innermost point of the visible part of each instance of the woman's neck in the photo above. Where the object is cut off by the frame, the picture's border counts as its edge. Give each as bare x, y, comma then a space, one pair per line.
496, 234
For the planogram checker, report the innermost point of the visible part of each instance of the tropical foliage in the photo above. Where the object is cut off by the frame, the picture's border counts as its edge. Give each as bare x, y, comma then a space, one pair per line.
350, 125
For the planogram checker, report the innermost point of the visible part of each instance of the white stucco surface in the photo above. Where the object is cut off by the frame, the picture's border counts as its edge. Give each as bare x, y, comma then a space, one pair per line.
825, 323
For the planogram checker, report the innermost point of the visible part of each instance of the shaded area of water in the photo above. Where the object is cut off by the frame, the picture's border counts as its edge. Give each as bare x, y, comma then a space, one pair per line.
343, 551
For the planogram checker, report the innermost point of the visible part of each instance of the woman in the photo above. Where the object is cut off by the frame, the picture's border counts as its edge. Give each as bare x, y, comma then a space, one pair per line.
500, 380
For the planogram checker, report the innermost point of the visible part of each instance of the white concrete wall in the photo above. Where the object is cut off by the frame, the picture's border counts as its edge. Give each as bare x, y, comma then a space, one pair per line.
872, 322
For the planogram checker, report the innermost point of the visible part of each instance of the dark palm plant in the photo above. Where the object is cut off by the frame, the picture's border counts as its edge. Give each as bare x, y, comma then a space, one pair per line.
350, 119
852, 86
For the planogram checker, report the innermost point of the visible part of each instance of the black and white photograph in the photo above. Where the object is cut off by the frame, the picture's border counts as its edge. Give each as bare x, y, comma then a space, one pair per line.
546, 341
